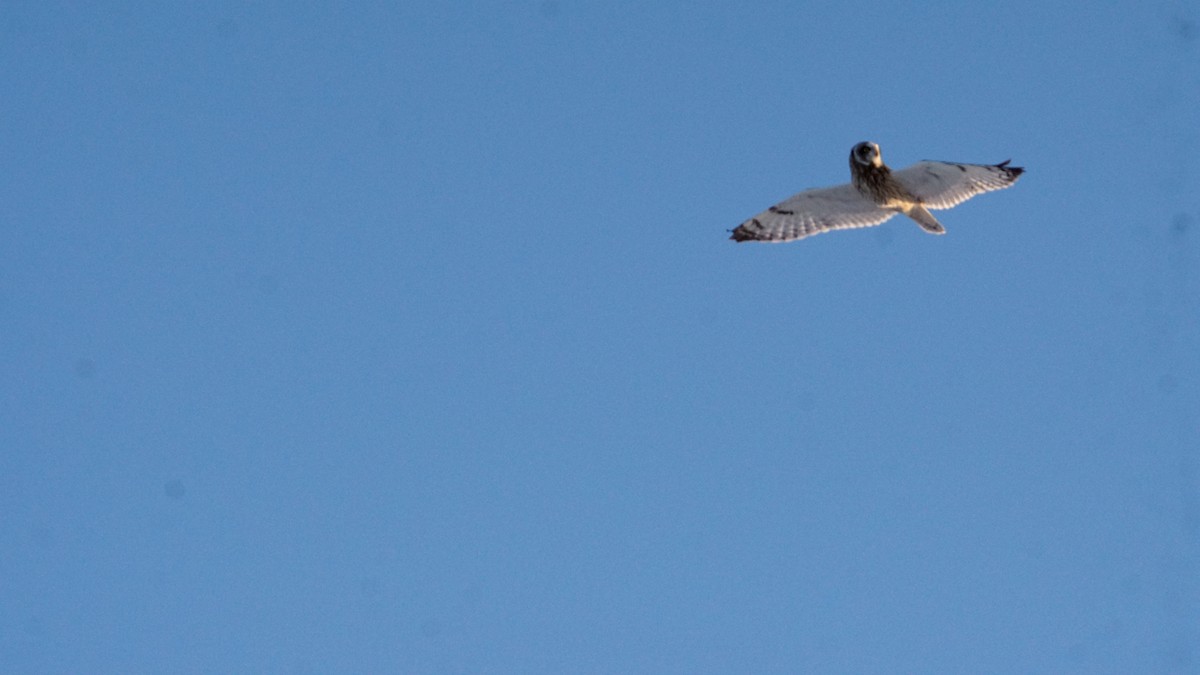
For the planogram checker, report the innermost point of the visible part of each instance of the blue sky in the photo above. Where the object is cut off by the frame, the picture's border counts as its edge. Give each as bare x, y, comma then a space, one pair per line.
407, 337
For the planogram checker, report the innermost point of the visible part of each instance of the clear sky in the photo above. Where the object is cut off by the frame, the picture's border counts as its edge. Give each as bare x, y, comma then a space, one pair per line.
407, 337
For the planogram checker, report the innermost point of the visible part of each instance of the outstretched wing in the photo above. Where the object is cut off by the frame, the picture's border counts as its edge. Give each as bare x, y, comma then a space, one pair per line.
940, 185
812, 212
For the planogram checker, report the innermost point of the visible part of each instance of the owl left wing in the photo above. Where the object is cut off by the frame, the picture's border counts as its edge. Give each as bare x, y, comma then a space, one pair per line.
940, 185
812, 212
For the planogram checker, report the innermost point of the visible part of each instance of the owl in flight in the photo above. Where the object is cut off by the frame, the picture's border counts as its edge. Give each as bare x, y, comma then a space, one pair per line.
876, 193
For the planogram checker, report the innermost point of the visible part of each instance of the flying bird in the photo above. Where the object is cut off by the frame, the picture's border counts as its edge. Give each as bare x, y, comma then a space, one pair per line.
875, 194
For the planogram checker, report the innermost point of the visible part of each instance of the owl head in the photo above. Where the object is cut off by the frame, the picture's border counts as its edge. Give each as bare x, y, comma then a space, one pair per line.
866, 154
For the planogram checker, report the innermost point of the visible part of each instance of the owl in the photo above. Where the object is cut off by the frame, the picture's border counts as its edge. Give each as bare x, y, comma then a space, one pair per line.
875, 194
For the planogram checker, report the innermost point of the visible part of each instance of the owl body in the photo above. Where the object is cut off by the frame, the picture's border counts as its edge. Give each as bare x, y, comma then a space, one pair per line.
873, 180
876, 194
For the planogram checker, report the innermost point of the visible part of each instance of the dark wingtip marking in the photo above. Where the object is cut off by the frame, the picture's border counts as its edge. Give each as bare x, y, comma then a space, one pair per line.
743, 232
1011, 171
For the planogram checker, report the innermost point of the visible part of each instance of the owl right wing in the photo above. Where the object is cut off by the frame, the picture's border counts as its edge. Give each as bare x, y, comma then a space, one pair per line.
812, 212
941, 185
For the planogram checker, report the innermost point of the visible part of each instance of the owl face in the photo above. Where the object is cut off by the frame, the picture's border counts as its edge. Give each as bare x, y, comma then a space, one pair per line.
866, 154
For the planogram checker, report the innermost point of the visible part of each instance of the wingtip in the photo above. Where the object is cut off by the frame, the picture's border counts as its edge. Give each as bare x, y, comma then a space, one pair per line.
1012, 171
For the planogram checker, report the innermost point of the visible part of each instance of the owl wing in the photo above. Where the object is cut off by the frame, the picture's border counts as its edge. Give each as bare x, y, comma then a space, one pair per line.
940, 185
812, 212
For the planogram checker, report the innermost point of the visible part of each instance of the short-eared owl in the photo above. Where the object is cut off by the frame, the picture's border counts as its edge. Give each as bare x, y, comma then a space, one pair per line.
876, 193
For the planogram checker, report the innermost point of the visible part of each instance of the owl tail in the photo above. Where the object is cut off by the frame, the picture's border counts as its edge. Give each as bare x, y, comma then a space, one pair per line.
925, 219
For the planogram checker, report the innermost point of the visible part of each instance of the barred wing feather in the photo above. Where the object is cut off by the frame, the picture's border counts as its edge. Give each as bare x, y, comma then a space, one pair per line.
812, 212
941, 185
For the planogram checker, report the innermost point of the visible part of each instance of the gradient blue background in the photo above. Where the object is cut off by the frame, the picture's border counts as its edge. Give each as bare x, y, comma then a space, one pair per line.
407, 337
